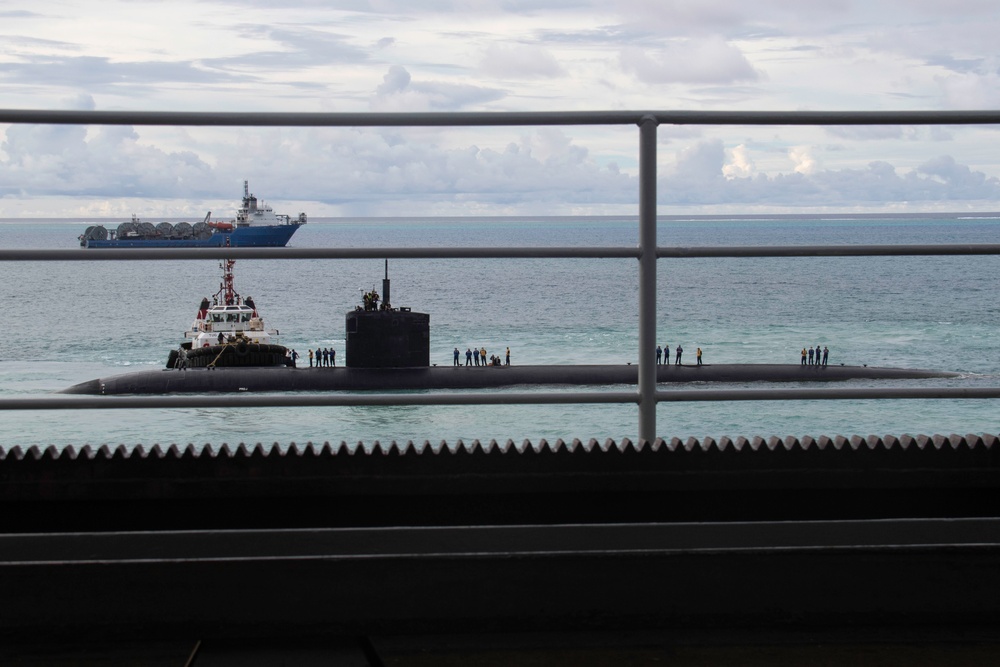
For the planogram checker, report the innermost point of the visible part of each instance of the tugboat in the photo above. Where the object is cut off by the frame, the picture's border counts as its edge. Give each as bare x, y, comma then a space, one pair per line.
256, 226
228, 331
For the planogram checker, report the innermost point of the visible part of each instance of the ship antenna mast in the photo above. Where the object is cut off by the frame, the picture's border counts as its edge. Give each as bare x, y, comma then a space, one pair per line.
227, 290
385, 287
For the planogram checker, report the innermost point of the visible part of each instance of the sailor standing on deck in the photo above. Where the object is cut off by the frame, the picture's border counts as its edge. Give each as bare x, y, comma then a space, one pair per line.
456, 357
680, 351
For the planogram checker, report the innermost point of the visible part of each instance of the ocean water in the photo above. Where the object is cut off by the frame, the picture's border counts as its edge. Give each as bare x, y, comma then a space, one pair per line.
71, 322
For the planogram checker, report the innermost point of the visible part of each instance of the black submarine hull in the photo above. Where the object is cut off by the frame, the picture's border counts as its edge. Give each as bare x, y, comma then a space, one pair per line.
282, 379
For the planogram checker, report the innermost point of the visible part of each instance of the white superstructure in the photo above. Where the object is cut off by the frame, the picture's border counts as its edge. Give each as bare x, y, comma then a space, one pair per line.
228, 318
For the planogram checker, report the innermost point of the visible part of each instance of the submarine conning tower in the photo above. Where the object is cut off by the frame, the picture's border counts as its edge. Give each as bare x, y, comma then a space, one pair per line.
380, 336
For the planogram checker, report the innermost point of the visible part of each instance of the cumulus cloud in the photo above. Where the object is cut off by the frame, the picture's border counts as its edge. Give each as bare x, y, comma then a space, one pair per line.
399, 92
379, 172
700, 177
802, 158
740, 164
540, 169
957, 180
702, 61
70, 160
702, 162
81, 102
395, 81
392, 171
361, 172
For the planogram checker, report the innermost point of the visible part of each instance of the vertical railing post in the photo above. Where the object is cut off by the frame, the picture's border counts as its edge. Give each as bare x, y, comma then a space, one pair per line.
647, 279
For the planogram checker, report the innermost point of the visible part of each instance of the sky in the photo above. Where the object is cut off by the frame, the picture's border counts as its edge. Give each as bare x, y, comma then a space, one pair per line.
497, 55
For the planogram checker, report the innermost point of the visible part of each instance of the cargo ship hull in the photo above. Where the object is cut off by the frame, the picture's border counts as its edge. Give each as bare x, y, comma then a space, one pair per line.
264, 236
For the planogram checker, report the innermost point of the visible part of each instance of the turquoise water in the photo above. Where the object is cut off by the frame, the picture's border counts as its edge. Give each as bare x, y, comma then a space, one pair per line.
76, 321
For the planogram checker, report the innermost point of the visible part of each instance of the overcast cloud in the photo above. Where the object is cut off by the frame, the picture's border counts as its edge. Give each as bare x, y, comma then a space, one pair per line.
479, 55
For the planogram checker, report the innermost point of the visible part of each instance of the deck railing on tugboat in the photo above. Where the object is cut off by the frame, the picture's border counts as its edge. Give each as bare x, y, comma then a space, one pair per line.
647, 253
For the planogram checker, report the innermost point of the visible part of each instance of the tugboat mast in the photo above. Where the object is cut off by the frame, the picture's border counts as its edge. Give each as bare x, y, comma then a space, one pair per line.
227, 291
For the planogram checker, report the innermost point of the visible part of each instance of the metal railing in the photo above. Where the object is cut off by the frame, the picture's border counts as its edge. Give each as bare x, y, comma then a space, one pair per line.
647, 253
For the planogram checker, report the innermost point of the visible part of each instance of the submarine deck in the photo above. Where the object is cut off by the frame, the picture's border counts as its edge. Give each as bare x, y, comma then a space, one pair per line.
281, 378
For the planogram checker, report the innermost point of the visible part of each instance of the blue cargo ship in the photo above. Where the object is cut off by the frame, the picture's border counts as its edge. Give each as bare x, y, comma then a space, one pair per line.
255, 226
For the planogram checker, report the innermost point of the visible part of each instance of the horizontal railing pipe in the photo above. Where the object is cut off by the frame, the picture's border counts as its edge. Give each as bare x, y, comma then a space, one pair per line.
311, 400
82, 254
828, 251
826, 394
493, 118
264, 400
610, 252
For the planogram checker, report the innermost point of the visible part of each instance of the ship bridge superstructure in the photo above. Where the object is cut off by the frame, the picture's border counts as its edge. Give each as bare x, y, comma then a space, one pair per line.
259, 213
228, 316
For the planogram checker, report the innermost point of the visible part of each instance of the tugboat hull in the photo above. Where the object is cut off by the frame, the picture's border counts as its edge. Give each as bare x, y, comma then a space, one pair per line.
239, 355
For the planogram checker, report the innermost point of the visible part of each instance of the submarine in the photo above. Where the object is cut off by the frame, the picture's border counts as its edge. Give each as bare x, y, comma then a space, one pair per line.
388, 348
284, 378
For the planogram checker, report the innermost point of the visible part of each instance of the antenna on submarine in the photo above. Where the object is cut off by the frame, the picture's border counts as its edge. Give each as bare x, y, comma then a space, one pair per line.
386, 303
